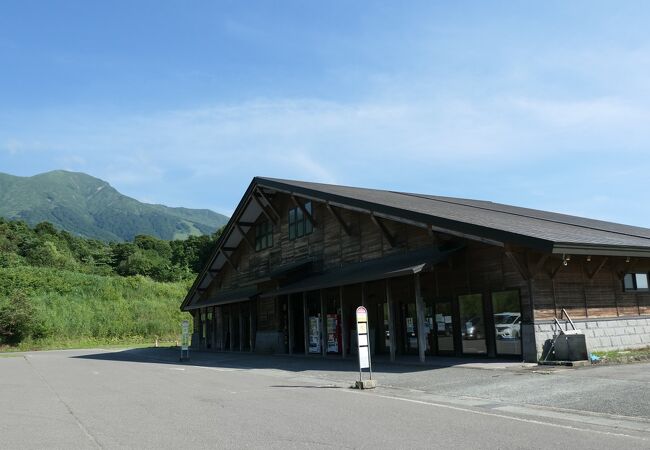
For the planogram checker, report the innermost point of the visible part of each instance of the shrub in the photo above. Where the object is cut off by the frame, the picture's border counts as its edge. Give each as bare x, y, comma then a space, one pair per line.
19, 319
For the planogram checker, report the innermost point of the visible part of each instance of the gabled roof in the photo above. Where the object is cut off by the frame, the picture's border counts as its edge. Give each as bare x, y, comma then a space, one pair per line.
474, 219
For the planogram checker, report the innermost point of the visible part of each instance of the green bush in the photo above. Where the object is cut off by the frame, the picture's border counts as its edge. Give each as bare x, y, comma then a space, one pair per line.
19, 319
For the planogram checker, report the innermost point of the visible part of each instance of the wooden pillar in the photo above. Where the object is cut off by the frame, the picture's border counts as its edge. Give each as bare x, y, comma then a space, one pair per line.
363, 295
419, 307
241, 328
213, 329
230, 323
290, 324
391, 321
305, 322
252, 316
323, 325
344, 325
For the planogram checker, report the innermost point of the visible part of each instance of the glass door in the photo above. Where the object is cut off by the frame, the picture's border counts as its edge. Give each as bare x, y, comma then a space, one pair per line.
506, 308
443, 327
472, 324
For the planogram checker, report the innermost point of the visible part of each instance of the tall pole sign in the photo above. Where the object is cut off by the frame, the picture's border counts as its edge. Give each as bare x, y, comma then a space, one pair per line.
363, 341
185, 340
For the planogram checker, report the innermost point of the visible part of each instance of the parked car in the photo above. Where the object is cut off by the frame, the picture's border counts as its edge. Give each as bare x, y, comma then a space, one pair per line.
507, 325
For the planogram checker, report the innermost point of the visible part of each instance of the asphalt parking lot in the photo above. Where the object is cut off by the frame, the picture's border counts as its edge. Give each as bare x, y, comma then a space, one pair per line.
146, 398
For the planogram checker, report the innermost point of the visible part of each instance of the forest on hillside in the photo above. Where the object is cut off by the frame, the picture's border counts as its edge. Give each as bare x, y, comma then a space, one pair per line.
57, 289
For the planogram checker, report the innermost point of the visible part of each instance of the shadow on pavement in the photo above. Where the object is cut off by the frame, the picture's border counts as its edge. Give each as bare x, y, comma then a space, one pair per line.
236, 360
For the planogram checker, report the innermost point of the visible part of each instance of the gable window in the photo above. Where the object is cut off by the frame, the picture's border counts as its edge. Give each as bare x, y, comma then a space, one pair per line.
263, 235
299, 225
635, 282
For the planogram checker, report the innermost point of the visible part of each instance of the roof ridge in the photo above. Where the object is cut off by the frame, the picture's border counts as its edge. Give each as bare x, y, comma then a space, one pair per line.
438, 199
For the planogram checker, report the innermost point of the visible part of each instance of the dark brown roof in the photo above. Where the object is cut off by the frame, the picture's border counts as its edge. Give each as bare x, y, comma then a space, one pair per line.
511, 224
475, 219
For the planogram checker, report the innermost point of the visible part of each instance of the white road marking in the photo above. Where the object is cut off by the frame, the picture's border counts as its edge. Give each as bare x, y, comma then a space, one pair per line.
501, 416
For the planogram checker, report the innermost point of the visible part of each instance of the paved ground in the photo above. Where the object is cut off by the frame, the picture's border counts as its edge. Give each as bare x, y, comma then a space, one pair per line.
145, 398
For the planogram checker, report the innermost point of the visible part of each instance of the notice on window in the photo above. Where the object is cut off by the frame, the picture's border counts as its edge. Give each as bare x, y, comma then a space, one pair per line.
314, 335
332, 335
409, 325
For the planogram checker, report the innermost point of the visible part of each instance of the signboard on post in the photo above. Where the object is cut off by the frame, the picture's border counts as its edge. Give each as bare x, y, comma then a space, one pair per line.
185, 340
363, 342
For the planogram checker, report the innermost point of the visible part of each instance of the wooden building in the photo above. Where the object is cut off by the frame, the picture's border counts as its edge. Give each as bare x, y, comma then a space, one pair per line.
439, 276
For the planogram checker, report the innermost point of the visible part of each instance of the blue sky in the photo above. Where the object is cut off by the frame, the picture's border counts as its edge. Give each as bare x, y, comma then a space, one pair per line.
540, 104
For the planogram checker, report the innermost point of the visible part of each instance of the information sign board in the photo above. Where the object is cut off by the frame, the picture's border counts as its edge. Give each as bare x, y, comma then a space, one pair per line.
362, 340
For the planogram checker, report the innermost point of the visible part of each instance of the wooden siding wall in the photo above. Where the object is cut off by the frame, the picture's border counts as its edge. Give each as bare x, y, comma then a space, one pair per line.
328, 243
479, 268
583, 297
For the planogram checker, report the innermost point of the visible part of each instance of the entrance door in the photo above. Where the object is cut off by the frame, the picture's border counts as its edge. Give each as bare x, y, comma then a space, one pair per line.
444, 327
408, 319
506, 309
472, 324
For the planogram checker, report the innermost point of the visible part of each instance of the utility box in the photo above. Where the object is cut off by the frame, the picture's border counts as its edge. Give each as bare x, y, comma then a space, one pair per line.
571, 346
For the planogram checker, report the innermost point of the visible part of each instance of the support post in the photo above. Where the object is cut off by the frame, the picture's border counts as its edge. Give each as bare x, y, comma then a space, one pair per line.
241, 328
344, 326
230, 323
391, 322
323, 325
305, 322
290, 324
253, 313
419, 308
213, 330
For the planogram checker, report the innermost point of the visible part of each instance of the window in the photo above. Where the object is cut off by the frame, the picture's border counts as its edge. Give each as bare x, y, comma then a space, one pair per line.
635, 282
263, 235
299, 225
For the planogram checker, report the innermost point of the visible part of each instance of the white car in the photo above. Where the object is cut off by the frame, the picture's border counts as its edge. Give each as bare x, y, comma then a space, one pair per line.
508, 325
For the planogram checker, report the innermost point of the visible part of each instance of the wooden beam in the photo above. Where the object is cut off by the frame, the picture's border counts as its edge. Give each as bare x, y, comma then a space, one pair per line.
538, 265
266, 199
591, 275
264, 211
339, 219
554, 272
305, 213
229, 260
228, 249
245, 236
241, 223
213, 271
522, 266
384, 231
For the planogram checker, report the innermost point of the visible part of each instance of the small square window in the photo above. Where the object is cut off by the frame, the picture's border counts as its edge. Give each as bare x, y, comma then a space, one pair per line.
636, 282
299, 225
641, 280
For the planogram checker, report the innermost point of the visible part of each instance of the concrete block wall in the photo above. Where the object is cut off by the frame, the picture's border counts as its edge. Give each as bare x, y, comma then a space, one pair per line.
601, 334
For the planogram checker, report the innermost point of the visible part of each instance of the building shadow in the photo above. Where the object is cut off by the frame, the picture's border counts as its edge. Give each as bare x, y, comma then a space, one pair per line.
295, 363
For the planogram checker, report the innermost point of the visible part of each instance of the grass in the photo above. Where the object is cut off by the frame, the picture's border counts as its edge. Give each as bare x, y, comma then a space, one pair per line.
624, 356
79, 310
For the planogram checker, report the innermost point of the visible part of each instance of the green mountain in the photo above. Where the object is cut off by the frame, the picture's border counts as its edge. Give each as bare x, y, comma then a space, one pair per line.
90, 207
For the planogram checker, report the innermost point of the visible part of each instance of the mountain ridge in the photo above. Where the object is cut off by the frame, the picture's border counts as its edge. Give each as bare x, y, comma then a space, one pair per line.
88, 206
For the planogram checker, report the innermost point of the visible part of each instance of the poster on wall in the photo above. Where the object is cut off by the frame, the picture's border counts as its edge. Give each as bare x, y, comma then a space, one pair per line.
314, 334
332, 335
409, 325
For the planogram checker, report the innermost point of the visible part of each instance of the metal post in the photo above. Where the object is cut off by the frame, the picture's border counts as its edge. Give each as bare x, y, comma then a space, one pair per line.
391, 321
419, 307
